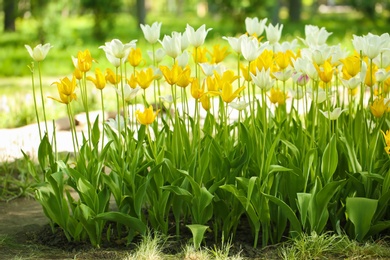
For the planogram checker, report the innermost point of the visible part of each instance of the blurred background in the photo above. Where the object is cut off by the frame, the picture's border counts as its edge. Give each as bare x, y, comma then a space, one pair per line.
74, 25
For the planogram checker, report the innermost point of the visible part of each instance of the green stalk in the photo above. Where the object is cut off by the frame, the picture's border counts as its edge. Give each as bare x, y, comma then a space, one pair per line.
35, 100
103, 116
41, 90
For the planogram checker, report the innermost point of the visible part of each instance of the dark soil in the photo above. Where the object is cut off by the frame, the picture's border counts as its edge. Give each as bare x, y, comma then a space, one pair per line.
25, 233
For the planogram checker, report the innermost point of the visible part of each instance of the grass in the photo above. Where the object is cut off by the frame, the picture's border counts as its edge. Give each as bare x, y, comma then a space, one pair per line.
152, 247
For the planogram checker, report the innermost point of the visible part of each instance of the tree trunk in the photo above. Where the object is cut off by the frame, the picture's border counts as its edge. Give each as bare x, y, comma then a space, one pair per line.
294, 10
10, 10
141, 11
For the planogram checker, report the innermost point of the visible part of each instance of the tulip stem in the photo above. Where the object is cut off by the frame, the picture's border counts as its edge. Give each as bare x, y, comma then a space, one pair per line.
42, 99
35, 100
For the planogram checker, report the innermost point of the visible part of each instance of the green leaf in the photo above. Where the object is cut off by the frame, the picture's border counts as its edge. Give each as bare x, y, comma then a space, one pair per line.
329, 159
303, 206
361, 211
287, 211
197, 233
95, 132
124, 219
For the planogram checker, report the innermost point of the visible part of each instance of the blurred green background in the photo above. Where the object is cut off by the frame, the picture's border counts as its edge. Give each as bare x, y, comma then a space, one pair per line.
73, 25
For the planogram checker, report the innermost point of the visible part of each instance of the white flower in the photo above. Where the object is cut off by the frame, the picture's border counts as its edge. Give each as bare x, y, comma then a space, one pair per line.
333, 115
315, 36
285, 46
117, 49
172, 44
352, 82
283, 75
196, 38
381, 75
239, 105
300, 78
254, 26
158, 55
113, 123
297, 94
274, 33
262, 79
371, 45
183, 59
235, 42
151, 33
209, 69
250, 48
39, 52
167, 98
184, 41
128, 92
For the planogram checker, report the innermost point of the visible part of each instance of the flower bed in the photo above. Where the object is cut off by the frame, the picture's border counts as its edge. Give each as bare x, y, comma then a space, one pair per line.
308, 150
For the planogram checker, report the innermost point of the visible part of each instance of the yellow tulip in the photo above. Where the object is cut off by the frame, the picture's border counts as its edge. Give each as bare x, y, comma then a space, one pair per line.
325, 71
196, 91
219, 54
132, 81
66, 86
205, 101
184, 78
351, 66
387, 140
201, 55
84, 60
227, 92
99, 81
171, 75
135, 57
145, 78
378, 107
111, 77
147, 117
277, 96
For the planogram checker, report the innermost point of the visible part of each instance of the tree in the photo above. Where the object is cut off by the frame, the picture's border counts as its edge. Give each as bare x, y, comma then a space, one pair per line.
141, 11
10, 14
103, 12
294, 10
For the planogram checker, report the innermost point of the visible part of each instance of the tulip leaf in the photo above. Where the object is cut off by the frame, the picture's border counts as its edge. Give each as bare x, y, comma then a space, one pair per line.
197, 233
329, 159
361, 211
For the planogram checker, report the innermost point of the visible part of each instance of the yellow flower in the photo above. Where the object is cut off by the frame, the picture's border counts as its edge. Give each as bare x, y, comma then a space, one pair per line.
184, 78
227, 92
172, 75
111, 77
351, 66
387, 140
277, 96
283, 59
219, 54
228, 75
370, 78
378, 107
196, 92
99, 81
84, 60
205, 101
132, 81
265, 60
135, 57
325, 72
78, 74
66, 88
145, 78
147, 117
201, 55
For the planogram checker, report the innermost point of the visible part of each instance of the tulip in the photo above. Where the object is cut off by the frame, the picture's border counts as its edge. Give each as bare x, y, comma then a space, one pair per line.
128, 92
117, 49
262, 79
172, 44
227, 92
274, 33
239, 105
197, 38
379, 107
145, 78
254, 26
315, 36
135, 57
250, 48
99, 81
158, 55
39, 52
147, 117
111, 77
235, 42
151, 33
333, 115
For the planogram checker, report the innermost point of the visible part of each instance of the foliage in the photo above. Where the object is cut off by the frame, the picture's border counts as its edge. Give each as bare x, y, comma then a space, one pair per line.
287, 141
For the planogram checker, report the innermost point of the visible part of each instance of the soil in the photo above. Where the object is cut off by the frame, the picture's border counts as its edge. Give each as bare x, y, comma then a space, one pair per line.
25, 233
